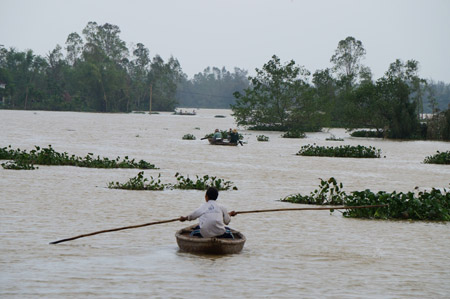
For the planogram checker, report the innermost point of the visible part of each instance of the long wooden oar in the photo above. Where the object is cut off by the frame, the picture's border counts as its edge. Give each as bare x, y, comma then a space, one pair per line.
114, 230
236, 213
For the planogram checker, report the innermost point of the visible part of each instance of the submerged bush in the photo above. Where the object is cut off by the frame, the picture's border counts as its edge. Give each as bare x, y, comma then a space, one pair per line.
438, 158
426, 205
294, 134
18, 165
367, 134
139, 183
329, 193
333, 138
262, 138
48, 156
202, 183
432, 205
189, 137
343, 151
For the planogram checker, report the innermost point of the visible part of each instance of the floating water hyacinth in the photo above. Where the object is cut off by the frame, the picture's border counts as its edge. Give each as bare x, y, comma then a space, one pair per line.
48, 156
344, 151
425, 205
438, 158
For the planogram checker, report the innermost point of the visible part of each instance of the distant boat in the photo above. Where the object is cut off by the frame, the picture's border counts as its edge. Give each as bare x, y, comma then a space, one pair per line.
220, 142
214, 245
181, 112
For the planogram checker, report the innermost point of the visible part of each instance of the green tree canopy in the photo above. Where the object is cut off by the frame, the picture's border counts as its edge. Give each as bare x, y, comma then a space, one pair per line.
280, 98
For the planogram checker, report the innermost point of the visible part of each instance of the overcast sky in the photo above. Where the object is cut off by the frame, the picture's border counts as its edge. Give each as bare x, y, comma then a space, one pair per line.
246, 33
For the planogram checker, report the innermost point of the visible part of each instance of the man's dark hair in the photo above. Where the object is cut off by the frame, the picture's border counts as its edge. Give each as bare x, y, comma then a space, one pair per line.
212, 193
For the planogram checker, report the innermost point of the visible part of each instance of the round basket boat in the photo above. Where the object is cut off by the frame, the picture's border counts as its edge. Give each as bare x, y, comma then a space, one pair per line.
194, 244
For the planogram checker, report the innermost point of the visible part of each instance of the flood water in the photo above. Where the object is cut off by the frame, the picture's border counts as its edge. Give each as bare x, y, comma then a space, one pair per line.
303, 254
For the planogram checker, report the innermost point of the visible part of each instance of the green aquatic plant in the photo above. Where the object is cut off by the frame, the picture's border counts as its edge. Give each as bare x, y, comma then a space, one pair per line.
334, 138
189, 137
438, 158
202, 183
345, 151
18, 165
329, 193
262, 138
425, 205
48, 156
294, 134
139, 183
367, 134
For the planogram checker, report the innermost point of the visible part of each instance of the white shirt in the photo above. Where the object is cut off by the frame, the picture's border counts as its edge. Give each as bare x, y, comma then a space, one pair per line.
213, 218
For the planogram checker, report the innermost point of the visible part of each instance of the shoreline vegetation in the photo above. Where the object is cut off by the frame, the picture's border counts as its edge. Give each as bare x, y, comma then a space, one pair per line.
282, 96
431, 205
21, 159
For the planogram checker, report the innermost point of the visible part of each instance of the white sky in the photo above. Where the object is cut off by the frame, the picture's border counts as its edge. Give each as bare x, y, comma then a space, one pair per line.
246, 33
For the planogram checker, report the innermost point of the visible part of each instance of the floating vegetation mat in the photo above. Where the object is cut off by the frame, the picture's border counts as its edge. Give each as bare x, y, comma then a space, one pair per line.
343, 151
200, 183
48, 156
424, 205
438, 158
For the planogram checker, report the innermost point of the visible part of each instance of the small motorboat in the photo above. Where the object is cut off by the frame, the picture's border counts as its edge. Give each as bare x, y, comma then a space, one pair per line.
220, 142
214, 245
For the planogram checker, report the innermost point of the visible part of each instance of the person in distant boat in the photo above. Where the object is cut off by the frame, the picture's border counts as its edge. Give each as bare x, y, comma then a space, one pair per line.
217, 135
234, 137
212, 217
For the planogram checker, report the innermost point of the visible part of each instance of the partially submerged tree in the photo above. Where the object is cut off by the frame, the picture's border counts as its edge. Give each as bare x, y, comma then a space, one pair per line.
279, 98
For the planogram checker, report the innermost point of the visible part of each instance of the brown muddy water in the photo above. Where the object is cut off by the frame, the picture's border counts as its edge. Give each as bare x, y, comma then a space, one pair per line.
307, 254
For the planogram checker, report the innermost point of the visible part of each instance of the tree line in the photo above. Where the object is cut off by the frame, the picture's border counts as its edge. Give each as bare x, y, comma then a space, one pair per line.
97, 72
288, 97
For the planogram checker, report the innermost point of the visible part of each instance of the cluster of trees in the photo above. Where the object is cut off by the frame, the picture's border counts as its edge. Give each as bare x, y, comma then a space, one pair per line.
287, 97
213, 88
98, 73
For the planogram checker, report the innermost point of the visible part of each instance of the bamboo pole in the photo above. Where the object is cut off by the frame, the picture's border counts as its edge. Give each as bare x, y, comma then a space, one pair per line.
236, 213
114, 230
311, 209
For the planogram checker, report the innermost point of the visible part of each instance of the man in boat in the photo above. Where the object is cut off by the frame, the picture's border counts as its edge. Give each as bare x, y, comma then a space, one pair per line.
217, 135
234, 137
212, 217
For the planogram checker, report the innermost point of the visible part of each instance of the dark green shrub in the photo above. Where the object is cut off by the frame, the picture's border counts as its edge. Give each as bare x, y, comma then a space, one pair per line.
329, 193
294, 134
48, 156
262, 138
189, 137
18, 165
345, 151
139, 183
438, 158
426, 205
367, 134
333, 138
202, 183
